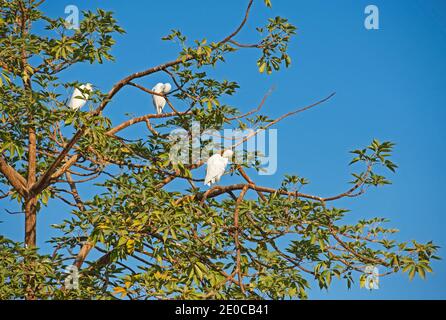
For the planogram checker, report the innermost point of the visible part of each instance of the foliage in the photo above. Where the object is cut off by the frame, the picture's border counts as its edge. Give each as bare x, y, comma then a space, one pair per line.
24, 271
141, 237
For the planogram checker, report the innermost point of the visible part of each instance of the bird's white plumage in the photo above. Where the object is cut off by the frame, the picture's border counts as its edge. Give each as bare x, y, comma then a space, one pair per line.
158, 101
167, 87
216, 166
80, 96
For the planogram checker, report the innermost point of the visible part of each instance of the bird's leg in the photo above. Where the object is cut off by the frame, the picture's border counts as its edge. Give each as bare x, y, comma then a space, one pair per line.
233, 196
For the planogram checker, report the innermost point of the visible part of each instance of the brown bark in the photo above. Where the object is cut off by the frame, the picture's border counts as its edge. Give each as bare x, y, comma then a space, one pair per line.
31, 201
32, 157
30, 221
83, 253
13, 177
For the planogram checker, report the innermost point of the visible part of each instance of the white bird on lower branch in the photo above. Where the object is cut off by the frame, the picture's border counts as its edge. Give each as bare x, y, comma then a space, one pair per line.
80, 96
216, 166
158, 101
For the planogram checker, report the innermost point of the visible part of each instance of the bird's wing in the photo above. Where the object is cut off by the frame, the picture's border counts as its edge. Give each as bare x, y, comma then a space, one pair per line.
159, 103
215, 168
84, 92
158, 88
76, 93
76, 102
167, 87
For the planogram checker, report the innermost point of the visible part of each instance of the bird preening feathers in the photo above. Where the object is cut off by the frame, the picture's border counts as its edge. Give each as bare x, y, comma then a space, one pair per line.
80, 96
158, 101
216, 166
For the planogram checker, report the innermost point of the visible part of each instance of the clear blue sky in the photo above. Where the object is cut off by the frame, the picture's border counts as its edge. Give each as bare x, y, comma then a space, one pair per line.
390, 85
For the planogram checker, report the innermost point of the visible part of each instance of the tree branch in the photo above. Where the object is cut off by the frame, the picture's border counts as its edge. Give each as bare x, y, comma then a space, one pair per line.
14, 178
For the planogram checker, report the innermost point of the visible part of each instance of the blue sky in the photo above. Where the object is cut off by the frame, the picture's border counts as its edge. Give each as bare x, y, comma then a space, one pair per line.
390, 85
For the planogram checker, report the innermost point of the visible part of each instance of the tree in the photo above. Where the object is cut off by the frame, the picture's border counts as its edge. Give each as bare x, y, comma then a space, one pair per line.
152, 238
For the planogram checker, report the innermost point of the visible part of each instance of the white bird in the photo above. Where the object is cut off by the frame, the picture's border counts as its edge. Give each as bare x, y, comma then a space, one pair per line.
216, 166
80, 96
158, 101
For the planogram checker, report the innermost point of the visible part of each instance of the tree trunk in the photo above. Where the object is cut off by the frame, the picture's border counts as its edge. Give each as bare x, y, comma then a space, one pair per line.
30, 242
30, 221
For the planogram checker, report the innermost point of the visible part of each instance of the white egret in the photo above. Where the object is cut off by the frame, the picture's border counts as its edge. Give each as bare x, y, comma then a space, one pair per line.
80, 96
216, 166
158, 101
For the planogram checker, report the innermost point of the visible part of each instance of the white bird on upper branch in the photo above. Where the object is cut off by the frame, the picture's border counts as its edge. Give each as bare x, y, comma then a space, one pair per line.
158, 101
216, 166
80, 96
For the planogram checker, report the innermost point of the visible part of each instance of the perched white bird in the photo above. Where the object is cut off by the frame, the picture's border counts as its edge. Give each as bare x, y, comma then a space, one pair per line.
158, 101
80, 96
216, 166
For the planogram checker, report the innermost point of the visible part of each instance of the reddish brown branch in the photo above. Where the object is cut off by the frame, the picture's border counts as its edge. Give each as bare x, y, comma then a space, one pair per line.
232, 35
132, 121
270, 91
249, 180
14, 178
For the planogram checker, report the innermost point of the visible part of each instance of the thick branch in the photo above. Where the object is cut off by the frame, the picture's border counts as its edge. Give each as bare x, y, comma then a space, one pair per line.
132, 121
14, 178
